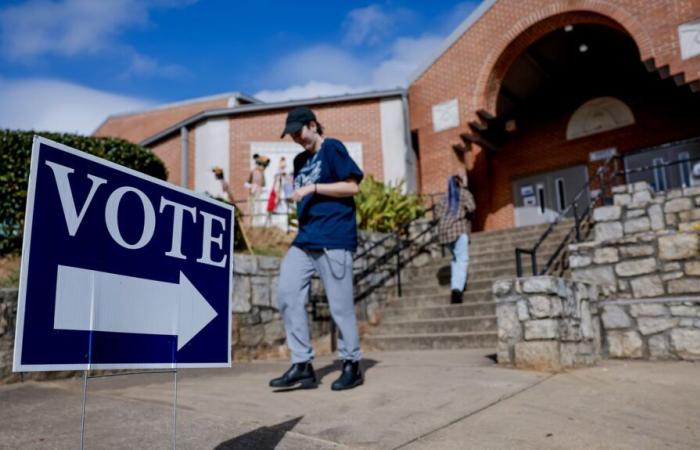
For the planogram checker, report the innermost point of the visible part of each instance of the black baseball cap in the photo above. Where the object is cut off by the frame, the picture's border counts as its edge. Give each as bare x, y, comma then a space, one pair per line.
297, 118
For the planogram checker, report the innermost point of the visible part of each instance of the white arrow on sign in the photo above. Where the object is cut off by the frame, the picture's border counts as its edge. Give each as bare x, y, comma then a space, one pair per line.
99, 301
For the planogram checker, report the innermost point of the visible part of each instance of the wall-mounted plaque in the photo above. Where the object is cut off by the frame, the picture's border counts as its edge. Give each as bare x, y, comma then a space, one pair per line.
689, 37
446, 115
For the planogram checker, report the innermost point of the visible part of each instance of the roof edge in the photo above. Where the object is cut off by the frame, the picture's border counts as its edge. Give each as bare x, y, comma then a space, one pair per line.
210, 113
452, 39
239, 95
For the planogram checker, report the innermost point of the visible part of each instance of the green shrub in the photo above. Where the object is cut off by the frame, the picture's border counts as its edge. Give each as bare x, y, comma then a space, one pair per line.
384, 208
15, 156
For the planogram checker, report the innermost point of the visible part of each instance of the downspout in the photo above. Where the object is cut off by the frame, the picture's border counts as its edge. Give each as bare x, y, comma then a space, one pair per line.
411, 184
184, 158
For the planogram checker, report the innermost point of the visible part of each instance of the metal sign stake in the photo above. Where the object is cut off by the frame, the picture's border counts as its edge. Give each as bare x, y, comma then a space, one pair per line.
175, 412
82, 416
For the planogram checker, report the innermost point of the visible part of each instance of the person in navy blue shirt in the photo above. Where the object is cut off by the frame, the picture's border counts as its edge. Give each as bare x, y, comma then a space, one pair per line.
325, 180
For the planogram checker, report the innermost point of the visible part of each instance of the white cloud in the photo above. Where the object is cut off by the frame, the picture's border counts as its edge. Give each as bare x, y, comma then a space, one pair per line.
324, 71
53, 105
141, 65
334, 70
71, 28
310, 89
321, 62
372, 25
406, 55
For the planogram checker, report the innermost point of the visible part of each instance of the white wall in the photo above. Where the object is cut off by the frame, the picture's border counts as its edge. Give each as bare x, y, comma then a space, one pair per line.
398, 159
211, 148
275, 150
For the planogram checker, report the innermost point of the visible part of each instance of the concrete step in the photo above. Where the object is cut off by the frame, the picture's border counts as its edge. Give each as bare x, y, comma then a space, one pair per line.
418, 289
442, 276
427, 326
439, 341
438, 297
439, 311
530, 229
517, 241
500, 257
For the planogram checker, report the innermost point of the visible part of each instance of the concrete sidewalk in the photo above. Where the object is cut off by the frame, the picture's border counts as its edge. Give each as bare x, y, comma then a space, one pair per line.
411, 400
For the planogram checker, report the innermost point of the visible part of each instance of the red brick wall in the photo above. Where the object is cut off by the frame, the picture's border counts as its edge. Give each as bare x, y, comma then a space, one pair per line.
139, 126
170, 152
471, 71
356, 122
348, 121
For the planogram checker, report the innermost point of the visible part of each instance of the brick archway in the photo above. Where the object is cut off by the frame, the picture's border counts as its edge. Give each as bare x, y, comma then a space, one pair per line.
531, 28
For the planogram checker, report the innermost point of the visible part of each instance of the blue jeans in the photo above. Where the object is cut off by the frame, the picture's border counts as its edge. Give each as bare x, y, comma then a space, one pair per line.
460, 262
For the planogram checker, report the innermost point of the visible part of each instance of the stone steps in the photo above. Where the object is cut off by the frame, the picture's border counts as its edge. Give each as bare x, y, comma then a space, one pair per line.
441, 297
439, 311
424, 319
440, 325
433, 341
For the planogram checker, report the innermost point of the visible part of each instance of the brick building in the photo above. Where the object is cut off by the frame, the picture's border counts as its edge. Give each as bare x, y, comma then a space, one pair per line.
227, 130
539, 91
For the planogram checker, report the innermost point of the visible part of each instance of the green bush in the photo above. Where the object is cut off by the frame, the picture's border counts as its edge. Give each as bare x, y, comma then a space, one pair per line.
15, 156
384, 208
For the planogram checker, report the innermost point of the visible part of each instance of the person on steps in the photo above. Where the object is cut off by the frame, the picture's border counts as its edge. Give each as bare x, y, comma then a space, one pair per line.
325, 180
454, 227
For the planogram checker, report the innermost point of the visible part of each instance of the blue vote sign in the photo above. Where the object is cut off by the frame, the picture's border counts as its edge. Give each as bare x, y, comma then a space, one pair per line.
119, 269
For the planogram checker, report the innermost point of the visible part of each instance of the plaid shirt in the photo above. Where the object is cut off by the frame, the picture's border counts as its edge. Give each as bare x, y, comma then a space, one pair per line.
451, 226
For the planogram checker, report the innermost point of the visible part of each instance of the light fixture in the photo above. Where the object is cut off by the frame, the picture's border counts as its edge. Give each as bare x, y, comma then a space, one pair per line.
583, 48
569, 28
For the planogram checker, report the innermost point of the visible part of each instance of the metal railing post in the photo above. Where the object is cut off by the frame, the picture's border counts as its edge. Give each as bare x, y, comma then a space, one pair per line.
518, 263
577, 222
398, 263
533, 259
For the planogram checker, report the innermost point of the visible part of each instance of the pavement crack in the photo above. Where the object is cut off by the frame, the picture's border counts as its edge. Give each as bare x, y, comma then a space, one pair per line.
475, 412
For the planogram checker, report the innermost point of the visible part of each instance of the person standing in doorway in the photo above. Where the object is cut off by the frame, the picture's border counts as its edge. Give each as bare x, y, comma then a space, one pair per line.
325, 180
454, 227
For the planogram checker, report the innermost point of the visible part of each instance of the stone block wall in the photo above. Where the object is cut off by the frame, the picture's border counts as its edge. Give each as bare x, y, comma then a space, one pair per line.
547, 323
8, 314
258, 328
648, 329
645, 254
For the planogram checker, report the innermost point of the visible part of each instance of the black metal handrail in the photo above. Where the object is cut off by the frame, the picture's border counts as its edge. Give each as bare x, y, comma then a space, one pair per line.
579, 218
585, 215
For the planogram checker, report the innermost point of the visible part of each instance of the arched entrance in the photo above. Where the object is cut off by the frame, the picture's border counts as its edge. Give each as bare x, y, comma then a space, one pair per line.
561, 101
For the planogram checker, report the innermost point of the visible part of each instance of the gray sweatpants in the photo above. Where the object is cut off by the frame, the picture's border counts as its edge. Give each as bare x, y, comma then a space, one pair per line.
335, 269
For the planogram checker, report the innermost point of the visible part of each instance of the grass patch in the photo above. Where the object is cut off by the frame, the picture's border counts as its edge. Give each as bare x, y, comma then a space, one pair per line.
9, 271
269, 241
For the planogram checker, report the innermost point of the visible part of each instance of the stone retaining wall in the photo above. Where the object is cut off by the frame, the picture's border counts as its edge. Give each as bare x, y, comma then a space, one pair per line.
547, 323
667, 328
645, 254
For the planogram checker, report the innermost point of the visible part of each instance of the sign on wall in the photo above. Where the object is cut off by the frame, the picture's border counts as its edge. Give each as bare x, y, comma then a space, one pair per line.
120, 270
689, 37
446, 115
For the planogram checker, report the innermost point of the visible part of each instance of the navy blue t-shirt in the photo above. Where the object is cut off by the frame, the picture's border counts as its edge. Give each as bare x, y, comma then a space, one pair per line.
326, 222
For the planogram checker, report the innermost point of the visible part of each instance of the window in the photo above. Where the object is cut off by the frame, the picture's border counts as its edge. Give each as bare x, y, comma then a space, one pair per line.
540, 197
561, 194
659, 174
684, 168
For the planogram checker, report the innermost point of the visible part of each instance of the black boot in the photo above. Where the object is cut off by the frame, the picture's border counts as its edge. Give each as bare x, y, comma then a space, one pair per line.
301, 374
350, 377
456, 297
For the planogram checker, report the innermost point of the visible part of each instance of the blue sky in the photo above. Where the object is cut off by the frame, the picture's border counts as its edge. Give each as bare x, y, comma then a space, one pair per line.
66, 65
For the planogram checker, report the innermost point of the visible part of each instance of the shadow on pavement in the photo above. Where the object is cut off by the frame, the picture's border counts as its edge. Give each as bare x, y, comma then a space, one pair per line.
365, 365
263, 438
